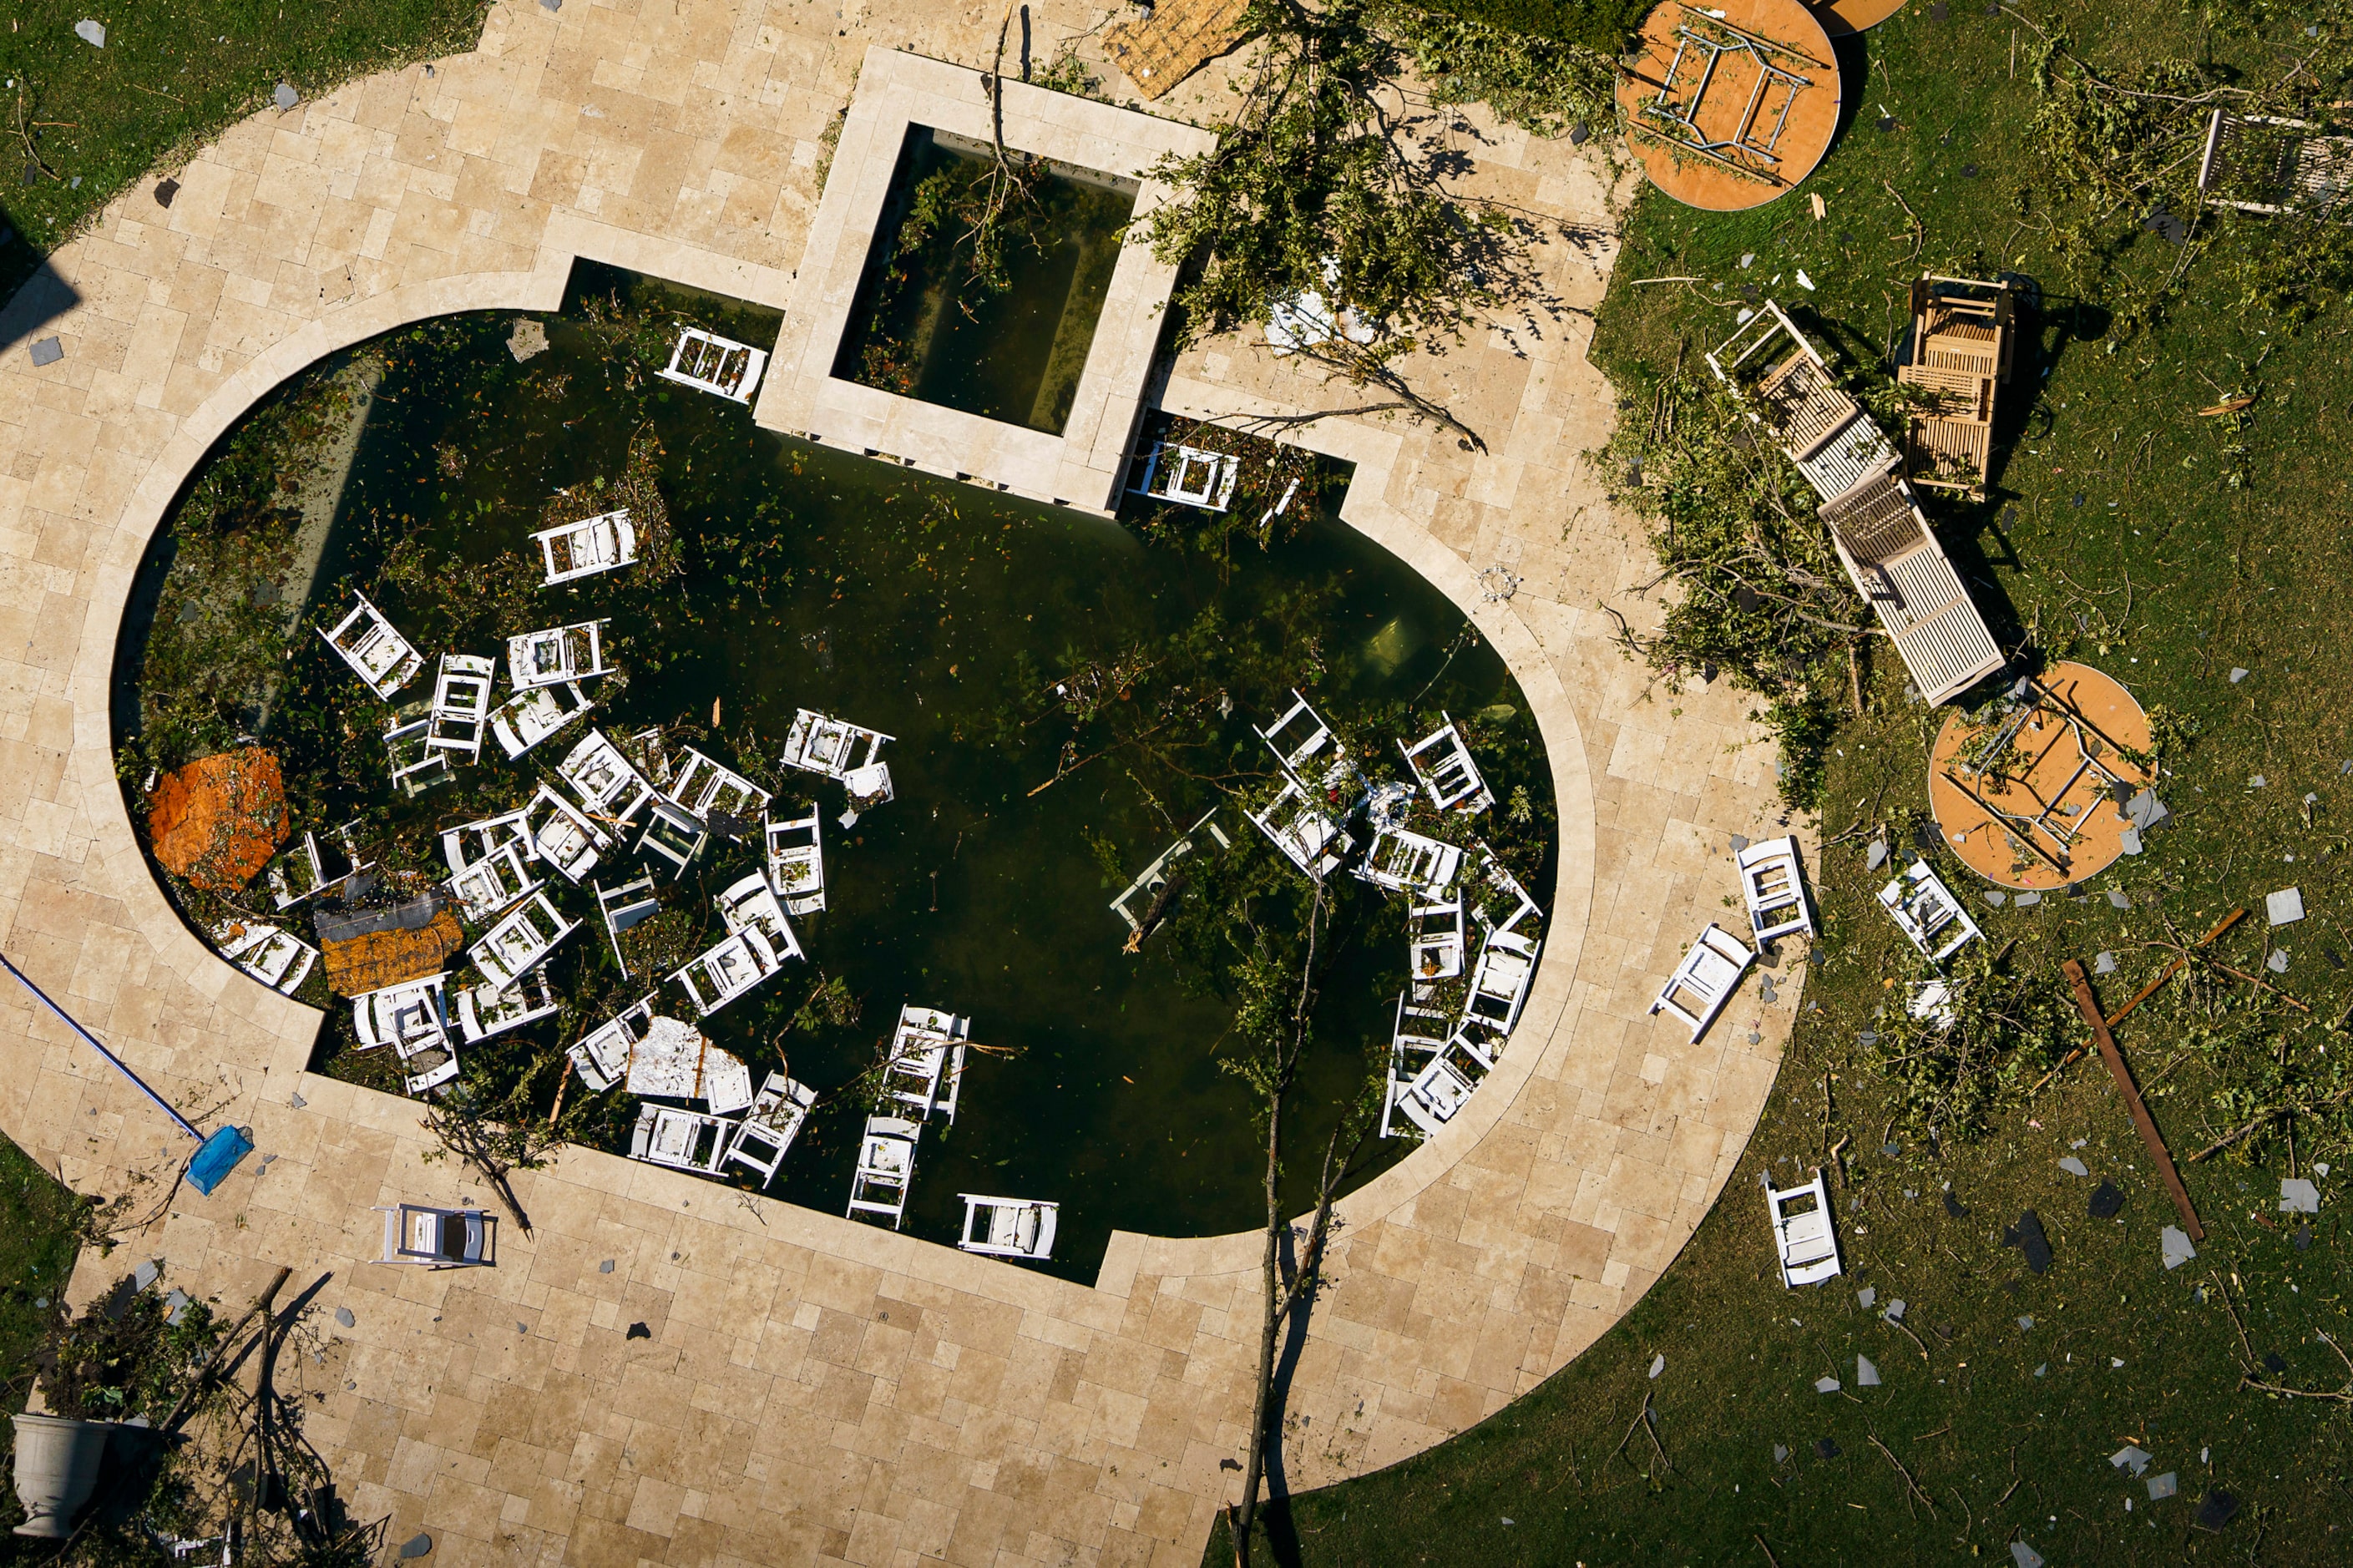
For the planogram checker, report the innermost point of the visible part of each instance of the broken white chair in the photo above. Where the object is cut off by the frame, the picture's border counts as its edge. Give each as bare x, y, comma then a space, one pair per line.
1802, 1233
796, 861
624, 907
556, 656
414, 764
486, 1010
674, 1059
1442, 764
1499, 986
1927, 913
1444, 1085
673, 837
522, 941
704, 789
1008, 1227
886, 1163
709, 363
561, 836
575, 549
610, 789
461, 704
834, 747
1931, 1002
1703, 982
1406, 862
1773, 879
530, 717
717, 977
378, 655
437, 1237
771, 1125
681, 1140
868, 787
485, 888
1418, 1034
471, 842
1190, 475
276, 957
726, 1083
1307, 835
925, 1071
751, 904
409, 1016
601, 1055
305, 871
1300, 736
1436, 940
1512, 895
434, 1068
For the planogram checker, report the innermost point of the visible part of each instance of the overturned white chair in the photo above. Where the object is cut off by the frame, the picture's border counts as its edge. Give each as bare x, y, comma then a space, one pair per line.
1927, 913
1436, 931
378, 655
1190, 475
681, 1140
628, 905
469, 842
1306, 834
1773, 881
278, 958
1802, 1235
575, 549
795, 856
1499, 985
601, 1056
771, 1125
1442, 764
709, 363
1444, 1084
1008, 1227
529, 717
487, 1010
1703, 982
704, 789
673, 835
1418, 1034
715, 977
926, 1069
563, 836
486, 888
751, 904
556, 656
834, 747
1406, 862
886, 1163
461, 705
437, 1237
521, 941
610, 789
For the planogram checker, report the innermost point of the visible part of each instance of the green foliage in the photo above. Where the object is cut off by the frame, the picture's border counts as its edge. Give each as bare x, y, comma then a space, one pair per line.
42, 1225
1603, 27
2003, 1026
1542, 81
120, 1357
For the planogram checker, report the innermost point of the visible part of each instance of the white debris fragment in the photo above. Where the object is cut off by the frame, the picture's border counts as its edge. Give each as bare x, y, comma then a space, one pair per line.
90, 32
2175, 1242
1803, 282
1826, 1385
1658, 1364
2284, 907
2129, 1455
1865, 1374
2298, 1196
2074, 1167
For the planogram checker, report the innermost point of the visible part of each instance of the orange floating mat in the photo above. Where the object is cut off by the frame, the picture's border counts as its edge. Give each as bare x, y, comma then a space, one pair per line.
1730, 105
2033, 797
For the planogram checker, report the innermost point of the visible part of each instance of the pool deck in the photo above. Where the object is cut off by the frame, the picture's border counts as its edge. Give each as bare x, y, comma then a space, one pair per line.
806, 1389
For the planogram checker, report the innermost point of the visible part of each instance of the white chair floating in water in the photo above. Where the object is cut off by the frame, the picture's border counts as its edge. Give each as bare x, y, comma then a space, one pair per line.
750, 904
1444, 1084
1703, 982
926, 1069
571, 551
1442, 764
561, 836
1802, 1232
378, 655
672, 835
886, 1163
409, 1016
709, 363
411, 760
305, 872
557, 654
681, 1140
486, 888
1008, 1227
437, 1237
1928, 913
1300, 736
1773, 879
771, 1125
717, 977
834, 747
1499, 986
1406, 862
527, 717
278, 958
1304, 832
1437, 936
1190, 475
796, 861
601, 1056
487, 1010
703, 789
471, 842
624, 907
522, 941
611, 791
461, 704
1418, 1034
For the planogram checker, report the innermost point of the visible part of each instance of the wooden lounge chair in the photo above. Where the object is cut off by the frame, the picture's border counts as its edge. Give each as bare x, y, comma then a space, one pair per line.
1802, 1235
1962, 341
2265, 165
1703, 982
1896, 563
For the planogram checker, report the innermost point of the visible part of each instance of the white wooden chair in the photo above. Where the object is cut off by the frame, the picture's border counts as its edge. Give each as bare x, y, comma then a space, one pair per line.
1418, 1034
1773, 879
1436, 940
795, 858
868, 787
1406, 862
378, 655
1300, 736
521, 941
527, 717
1008, 1227
672, 836
926, 1069
411, 760
276, 957
622, 908
1442, 764
714, 978
1703, 982
469, 842
1927, 913
833, 747
1444, 1084
1511, 897
556, 656
571, 551
437, 1237
561, 836
709, 363
681, 1140
610, 789
1190, 475
486, 888
434, 1068
409, 1018
307, 869
1306, 834
1499, 986
487, 1010
751, 904
771, 1125
886, 1163
703, 788
726, 1084
461, 705
601, 1055
1802, 1232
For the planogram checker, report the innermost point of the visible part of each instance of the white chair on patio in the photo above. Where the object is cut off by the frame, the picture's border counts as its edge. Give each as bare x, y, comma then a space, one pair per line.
681, 1140
1927, 913
522, 941
1008, 1227
437, 1237
378, 655
1703, 982
527, 717
771, 1125
1442, 764
571, 551
1802, 1235
556, 656
886, 1163
1773, 879
795, 852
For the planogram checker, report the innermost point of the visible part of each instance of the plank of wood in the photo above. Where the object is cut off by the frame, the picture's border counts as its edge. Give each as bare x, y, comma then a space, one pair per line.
2139, 996
2089, 1006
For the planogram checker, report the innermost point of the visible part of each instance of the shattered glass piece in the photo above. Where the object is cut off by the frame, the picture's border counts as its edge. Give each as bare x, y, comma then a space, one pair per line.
47, 350
2277, 962
2023, 901
1867, 1295
2237, 675
2129, 840
1826, 1385
1876, 856
605, 1267
2026, 1322
2284, 907
90, 32
2028, 1236
1865, 1374
1825, 1449
2216, 1511
2298, 1196
2130, 1455
2106, 964
1779, 1453
1658, 1364
1996, 897
2175, 1242
2042, 1368
2119, 898
285, 97
343, 1317
2163, 1487
2107, 1200
2024, 1556
2073, 1166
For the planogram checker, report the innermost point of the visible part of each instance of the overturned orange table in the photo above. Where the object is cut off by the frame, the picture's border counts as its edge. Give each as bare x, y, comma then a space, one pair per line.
1730, 105
2029, 800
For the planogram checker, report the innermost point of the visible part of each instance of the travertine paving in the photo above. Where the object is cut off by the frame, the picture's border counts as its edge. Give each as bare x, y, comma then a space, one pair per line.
805, 1389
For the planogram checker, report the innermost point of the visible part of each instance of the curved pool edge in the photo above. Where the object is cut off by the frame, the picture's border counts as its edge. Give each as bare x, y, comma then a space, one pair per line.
1472, 1268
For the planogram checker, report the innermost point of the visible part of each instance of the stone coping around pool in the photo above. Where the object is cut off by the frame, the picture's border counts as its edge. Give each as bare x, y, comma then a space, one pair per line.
1083, 466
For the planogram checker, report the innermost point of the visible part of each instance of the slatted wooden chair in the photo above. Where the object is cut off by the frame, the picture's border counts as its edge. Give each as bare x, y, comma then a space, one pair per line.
1962, 344
1904, 576
2269, 165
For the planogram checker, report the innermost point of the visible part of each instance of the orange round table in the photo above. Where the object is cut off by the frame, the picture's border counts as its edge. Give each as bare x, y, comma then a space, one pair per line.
2029, 800
1841, 16
1729, 106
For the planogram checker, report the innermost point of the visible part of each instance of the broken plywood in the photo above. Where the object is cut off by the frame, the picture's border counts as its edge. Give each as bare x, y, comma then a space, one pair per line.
1176, 38
216, 822
371, 961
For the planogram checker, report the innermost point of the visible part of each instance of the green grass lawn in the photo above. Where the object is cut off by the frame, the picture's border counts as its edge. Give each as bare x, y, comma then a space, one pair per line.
83, 123
2170, 550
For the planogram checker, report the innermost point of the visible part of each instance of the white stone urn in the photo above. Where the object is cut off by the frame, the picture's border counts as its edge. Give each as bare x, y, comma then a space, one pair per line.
57, 1468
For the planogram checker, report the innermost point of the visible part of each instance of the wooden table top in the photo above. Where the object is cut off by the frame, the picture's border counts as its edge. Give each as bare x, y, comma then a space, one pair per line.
1731, 108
